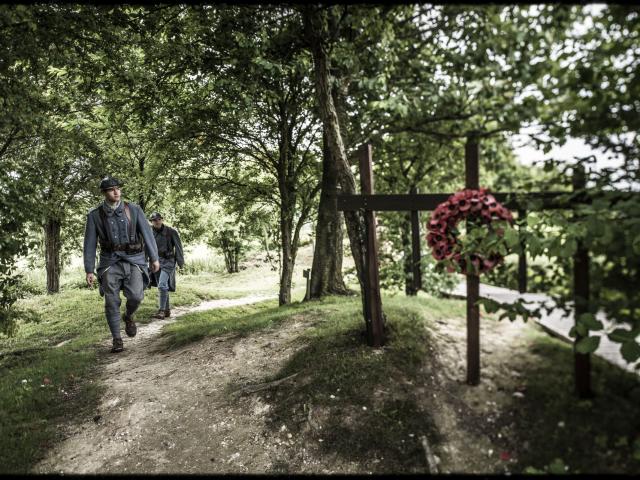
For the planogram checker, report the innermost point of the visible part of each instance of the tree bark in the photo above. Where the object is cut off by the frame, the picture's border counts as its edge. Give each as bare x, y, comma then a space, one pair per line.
52, 254
326, 271
314, 25
288, 256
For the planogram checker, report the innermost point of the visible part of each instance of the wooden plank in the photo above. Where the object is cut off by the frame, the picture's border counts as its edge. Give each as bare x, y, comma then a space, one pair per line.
471, 163
429, 201
522, 258
473, 330
415, 247
582, 361
373, 300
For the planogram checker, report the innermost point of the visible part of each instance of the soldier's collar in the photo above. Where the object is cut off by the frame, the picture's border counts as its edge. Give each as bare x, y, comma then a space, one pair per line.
109, 209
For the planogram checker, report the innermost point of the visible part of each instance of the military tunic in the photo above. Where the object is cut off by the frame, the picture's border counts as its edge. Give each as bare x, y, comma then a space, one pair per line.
170, 252
119, 270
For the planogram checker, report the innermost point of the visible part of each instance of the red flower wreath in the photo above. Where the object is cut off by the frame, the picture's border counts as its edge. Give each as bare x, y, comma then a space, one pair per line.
473, 204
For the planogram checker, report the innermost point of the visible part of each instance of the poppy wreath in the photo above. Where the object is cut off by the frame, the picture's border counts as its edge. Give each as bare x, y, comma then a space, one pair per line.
480, 207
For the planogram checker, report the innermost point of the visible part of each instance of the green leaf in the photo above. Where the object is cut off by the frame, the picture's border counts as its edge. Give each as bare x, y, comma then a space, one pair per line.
587, 344
589, 321
511, 237
581, 329
630, 351
490, 306
622, 335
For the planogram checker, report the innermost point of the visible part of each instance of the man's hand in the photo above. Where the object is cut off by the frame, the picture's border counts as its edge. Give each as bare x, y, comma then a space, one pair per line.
155, 266
90, 279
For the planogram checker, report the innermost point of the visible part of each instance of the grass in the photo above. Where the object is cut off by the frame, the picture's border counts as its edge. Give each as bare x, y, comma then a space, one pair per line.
360, 399
30, 409
239, 320
341, 375
336, 361
599, 435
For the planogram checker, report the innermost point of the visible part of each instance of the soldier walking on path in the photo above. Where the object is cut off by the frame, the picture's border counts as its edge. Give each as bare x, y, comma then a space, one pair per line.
170, 253
124, 235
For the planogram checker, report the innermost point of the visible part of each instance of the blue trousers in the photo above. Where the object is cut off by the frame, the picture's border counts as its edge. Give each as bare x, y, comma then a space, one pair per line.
163, 291
123, 276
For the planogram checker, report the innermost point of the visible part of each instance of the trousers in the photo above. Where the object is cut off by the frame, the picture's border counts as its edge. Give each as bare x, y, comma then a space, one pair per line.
163, 291
123, 276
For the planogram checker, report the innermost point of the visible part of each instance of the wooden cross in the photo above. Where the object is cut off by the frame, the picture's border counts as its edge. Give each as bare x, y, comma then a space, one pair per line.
414, 202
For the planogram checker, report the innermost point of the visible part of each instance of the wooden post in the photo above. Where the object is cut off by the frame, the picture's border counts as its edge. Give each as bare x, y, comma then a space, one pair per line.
306, 273
373, 302
471, 160
522, 258
415, 247
582, 361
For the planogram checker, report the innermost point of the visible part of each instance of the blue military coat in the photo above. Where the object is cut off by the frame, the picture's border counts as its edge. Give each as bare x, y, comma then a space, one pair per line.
117, 231
170, 252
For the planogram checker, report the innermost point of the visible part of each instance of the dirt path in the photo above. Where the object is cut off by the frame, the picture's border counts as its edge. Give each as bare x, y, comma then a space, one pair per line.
475, 423
171, 412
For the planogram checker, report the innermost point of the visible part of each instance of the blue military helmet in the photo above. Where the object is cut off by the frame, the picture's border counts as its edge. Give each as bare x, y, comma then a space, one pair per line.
109, 182
155, 216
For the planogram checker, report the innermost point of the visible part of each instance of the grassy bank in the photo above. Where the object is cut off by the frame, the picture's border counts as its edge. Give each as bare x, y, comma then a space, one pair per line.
370, 407
349, 403
47, 367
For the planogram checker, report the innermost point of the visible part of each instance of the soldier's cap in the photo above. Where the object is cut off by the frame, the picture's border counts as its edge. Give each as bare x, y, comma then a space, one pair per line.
155, 216
109, 182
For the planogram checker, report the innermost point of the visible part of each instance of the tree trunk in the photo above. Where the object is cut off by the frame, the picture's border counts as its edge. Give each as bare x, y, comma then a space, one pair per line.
353, 219
326, 271
52, 254
288, 256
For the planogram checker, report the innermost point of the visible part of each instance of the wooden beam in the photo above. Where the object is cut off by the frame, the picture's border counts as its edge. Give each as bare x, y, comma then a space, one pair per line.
471, 163
512, 200
373, 302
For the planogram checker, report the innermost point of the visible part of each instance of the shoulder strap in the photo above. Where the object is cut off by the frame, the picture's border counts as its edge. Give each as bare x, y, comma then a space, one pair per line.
132, 224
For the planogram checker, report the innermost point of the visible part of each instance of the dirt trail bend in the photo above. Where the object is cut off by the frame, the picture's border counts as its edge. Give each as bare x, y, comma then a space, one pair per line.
171, 412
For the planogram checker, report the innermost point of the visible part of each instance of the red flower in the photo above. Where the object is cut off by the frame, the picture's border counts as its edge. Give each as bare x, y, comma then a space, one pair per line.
505, 456
464, 205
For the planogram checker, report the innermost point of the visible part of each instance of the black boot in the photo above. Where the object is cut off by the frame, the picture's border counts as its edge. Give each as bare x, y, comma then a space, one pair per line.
130, 326
118, 346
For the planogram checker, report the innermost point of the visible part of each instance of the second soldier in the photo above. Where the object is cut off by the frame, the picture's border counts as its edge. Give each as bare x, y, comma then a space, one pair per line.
170, 253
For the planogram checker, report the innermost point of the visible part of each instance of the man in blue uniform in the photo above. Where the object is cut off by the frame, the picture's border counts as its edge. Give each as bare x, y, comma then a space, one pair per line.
170, 252
123, 234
